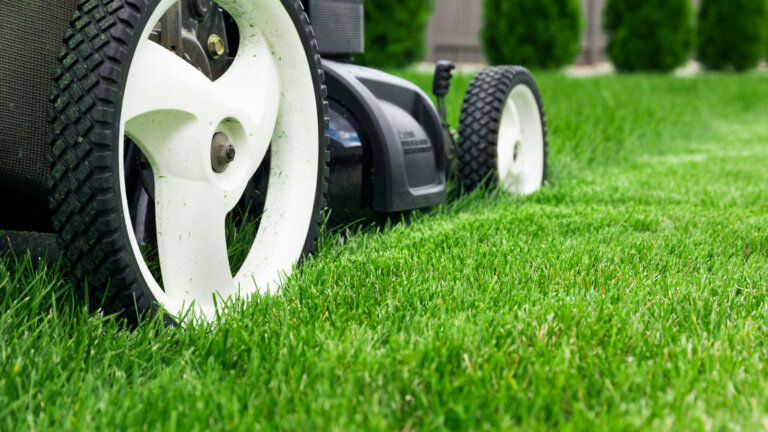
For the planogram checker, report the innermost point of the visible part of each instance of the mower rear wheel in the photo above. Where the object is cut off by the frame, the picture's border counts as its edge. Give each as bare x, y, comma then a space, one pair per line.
502, 132
118, 90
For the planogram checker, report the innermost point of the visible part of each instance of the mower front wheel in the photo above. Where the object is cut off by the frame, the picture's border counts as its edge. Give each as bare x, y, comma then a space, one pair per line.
502, 132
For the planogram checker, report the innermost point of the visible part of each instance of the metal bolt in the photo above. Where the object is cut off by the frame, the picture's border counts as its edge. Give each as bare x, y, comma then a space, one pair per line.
216, 46
222, 153
230, 156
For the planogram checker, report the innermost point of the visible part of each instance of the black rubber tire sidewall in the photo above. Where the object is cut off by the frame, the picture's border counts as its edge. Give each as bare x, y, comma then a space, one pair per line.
86, 196
480, 121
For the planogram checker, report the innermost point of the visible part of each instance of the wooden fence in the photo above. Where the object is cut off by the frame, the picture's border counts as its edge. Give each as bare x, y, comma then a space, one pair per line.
455, 28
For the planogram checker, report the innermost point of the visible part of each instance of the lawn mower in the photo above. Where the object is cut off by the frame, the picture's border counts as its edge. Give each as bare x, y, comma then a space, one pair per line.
185, 152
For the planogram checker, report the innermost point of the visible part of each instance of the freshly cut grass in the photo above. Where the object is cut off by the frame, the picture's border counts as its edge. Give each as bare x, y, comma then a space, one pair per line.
629, 294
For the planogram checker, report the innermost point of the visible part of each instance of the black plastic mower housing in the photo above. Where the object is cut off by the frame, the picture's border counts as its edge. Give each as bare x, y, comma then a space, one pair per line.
398, 131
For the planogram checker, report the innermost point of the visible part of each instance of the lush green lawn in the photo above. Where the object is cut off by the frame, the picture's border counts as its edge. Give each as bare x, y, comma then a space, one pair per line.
630, 293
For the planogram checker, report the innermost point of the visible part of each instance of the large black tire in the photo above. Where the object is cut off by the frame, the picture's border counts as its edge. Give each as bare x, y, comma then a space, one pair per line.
85, 191
480, 122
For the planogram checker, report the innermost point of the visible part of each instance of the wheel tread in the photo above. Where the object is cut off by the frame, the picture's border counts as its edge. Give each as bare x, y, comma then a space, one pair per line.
91, 64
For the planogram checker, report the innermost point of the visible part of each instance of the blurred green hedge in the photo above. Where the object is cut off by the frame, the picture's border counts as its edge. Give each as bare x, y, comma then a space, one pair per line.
532, 33
395, 32
733, 34
649, 35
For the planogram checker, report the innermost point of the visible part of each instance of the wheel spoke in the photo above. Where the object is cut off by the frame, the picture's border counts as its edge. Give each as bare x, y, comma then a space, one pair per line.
175, 143
191, 240
509, 137
159, 80
506, 158
251, 91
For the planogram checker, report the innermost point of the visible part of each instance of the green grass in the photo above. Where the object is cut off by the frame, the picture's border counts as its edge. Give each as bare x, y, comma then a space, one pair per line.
629, 294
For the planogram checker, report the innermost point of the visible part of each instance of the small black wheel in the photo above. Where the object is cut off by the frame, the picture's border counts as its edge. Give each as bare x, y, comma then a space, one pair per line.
502, 132
130, 111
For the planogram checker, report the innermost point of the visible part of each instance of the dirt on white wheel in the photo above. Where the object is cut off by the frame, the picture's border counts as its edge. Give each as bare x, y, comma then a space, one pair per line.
197, 128
503, 135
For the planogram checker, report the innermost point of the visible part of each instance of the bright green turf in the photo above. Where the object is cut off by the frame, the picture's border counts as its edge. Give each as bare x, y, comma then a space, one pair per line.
630, 293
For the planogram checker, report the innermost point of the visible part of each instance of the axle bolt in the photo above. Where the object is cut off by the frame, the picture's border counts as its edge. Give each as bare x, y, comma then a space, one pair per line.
230, 156
216, 46
222, 153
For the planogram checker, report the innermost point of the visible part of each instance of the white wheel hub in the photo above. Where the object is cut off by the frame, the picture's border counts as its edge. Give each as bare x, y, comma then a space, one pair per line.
520, 161
173, 112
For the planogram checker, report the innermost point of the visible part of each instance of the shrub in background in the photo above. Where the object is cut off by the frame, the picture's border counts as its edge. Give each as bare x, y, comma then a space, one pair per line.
395, 32
732, 33
648, 35
532, 33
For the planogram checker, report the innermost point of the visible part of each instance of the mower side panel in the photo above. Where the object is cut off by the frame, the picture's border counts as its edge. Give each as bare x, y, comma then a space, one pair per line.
33, 31
401, 127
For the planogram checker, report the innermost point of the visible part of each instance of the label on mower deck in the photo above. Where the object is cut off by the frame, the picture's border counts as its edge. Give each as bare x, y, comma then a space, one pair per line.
412, 144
